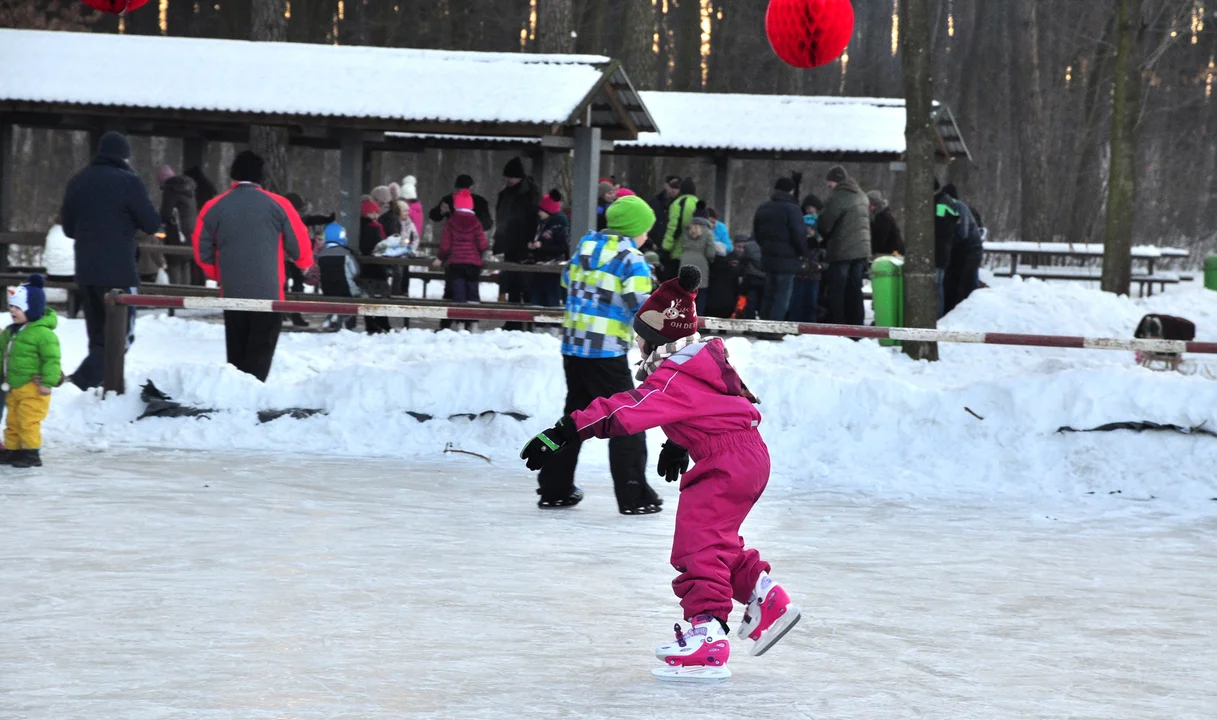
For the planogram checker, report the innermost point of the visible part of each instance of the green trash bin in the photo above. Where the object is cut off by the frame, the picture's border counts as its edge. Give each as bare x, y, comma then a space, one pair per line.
1210, 272
887, 291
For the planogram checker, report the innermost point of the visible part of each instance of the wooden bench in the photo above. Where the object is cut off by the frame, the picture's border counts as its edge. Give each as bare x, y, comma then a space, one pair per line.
1086, 274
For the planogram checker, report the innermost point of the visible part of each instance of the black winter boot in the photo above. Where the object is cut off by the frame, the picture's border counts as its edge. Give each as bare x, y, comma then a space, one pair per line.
7, 456
26, 459
571, 500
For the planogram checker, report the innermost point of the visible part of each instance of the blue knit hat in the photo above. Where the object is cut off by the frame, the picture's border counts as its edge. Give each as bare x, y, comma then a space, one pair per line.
335, 234
29, 298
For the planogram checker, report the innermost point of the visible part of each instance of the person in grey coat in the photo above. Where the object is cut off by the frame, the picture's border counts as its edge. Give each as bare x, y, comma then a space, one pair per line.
845, 225
698, 250
240, 240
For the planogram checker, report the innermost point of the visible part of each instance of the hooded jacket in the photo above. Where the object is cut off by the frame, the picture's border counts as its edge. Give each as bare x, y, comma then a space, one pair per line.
886, 236
515, 219
32, 349
608, 280
103, 207
464, 240
178, 210
58, 255
845, 223
696, 396
779, 231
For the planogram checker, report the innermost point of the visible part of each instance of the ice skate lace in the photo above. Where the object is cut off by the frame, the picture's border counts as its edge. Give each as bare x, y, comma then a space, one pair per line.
694, 630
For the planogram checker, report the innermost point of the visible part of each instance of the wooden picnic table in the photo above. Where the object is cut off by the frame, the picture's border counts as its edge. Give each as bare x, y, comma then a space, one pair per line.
1036, 252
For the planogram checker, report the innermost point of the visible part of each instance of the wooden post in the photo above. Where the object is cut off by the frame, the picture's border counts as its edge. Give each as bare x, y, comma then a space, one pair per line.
372, 170
7, 170
586, 183
722, 188
115, 353
194, 153
350, 182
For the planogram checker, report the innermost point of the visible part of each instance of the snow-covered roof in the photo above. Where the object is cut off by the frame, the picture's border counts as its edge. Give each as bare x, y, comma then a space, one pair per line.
787, 124
285, 82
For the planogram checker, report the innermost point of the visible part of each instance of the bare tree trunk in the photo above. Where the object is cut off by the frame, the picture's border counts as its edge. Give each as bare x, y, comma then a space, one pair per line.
555, 27
269, 24
687, 77
1122, 185
180, 18
1027, 93
637, 38
920, 281
1084, 193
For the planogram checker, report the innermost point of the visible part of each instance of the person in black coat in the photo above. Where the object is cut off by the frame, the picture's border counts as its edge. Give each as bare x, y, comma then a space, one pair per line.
515, 226
661, 203
103, 207
946, 226
481, 207
779, 229
967, 253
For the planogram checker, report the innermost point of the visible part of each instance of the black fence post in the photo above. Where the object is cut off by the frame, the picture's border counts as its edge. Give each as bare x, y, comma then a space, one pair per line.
116, 345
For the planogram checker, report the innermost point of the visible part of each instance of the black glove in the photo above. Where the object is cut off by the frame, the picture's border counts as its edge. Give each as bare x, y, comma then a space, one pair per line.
541, 448
673, 461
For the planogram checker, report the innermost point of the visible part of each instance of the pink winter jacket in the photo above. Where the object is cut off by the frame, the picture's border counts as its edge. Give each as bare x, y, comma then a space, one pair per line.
695, 396
464, 240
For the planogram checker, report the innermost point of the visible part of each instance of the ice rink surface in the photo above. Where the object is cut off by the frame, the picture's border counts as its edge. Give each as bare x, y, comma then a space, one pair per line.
151, 585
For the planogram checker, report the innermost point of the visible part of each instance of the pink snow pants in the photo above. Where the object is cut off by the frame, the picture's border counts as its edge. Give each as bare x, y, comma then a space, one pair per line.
728, 477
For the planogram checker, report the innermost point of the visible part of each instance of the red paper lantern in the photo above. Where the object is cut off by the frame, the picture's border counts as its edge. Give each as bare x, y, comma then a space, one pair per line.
117, 7
809, 33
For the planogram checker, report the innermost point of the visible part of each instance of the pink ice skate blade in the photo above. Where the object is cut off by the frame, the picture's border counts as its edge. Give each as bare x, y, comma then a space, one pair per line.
692, 674
776, 631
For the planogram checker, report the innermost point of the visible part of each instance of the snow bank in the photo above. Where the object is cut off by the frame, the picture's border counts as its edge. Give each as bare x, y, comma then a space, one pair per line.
838, 414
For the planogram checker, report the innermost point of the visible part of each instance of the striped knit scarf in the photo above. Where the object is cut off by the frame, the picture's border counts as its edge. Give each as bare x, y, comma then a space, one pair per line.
652, 362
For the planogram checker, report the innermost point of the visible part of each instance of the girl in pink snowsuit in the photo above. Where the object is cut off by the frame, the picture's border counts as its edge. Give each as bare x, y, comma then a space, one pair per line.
691, 391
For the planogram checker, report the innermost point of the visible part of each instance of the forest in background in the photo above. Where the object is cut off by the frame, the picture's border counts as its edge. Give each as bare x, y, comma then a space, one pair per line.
1029, 83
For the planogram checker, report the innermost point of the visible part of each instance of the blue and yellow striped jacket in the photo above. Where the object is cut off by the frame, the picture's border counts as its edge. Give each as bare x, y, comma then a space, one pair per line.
607, 281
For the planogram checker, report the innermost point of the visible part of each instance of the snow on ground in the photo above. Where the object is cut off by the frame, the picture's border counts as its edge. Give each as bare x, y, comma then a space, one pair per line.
838, 414
229, 586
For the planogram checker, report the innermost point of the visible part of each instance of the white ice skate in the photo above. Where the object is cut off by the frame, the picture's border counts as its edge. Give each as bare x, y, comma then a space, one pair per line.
699, 654
769, 616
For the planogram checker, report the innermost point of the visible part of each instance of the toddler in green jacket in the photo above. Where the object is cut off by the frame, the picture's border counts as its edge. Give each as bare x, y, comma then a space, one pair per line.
30, 369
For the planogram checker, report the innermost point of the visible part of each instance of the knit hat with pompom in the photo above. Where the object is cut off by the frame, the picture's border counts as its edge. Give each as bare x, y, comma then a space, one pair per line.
551, 204
670, 313
29, 298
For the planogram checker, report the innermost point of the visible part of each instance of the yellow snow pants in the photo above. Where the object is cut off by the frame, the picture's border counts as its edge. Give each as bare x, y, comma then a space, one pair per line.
26, 409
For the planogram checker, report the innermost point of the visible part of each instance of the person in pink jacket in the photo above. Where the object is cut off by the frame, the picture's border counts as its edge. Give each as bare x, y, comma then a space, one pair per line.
461, 249
691, 391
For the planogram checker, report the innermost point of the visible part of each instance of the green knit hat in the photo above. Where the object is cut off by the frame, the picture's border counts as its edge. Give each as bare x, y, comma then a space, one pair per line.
630, 217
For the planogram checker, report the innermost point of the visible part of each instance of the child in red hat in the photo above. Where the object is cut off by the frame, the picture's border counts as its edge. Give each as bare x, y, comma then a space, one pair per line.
691, 391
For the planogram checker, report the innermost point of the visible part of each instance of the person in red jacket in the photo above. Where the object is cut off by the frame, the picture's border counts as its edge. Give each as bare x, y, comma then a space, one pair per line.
461, 249
690, 389
240, 241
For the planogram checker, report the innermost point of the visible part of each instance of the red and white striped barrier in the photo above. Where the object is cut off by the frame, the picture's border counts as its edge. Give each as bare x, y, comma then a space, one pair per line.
554, 316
